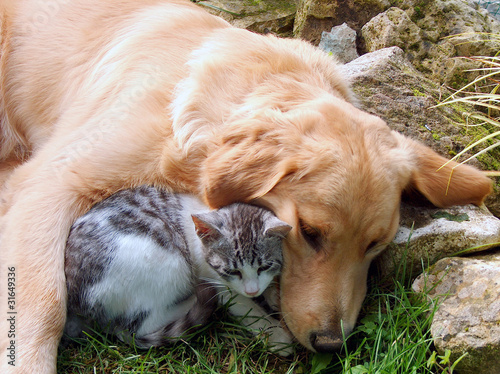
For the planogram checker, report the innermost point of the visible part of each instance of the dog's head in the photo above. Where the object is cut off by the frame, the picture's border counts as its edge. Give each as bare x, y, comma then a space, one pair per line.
336, 174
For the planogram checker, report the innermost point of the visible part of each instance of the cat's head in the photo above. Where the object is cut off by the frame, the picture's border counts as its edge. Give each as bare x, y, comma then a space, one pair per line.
243, 244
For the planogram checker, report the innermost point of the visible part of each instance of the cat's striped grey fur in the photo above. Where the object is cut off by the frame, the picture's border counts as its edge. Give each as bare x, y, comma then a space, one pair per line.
147, 264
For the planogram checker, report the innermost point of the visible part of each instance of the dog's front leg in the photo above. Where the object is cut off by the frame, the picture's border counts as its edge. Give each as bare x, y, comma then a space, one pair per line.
43, 198
33, 240
41, 201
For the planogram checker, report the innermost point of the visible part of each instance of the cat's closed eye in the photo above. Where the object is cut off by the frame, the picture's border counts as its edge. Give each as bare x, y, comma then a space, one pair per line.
234, 273
263, 268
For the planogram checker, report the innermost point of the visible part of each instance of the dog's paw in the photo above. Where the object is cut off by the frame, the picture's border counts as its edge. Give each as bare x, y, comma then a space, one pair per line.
280, 341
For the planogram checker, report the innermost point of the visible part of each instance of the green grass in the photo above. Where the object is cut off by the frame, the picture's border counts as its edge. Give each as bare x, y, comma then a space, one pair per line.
483, 96
392, 336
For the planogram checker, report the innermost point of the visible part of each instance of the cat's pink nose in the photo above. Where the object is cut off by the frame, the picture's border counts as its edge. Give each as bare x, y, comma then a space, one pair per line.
251, 287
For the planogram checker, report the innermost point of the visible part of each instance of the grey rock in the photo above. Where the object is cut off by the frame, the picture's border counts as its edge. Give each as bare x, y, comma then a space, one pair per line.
392, 28
426, 235
340, 42
467, 321
439, 19
432, 33
389, 86
273, 16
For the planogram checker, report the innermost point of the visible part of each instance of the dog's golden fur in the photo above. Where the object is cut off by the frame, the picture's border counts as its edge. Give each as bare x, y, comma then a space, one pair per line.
101, 95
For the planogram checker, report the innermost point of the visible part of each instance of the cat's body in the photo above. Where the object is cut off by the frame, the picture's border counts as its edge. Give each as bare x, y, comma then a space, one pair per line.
135, 263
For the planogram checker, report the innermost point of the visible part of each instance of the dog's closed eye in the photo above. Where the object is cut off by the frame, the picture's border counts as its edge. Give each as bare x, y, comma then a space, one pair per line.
311, 235
371, 246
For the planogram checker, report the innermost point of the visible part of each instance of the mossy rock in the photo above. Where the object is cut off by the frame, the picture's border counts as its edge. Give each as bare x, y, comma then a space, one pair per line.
275, 16
433, 33
466, 322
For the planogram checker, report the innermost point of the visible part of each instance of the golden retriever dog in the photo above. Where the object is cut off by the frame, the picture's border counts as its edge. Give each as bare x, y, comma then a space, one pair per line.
102, 95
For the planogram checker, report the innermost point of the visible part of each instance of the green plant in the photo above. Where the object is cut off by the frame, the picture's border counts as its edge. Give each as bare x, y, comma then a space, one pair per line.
393, 336
482, 95
445, 363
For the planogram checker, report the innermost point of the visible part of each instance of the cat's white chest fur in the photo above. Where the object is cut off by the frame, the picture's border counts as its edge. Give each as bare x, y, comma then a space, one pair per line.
153, 277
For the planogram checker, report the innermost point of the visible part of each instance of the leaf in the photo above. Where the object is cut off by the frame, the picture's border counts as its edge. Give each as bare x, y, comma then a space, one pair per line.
368, 327
320, 361
360, 369
432, 360
445, 360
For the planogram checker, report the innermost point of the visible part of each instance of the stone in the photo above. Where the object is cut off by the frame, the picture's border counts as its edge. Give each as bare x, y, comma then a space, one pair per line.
450, 29
393, 28
340, 42
274, 16
315, 16
389, 86
442, 18
466, 292
426, 235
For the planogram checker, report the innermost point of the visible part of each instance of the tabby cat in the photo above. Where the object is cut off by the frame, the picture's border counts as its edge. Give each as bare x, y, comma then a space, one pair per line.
148, 265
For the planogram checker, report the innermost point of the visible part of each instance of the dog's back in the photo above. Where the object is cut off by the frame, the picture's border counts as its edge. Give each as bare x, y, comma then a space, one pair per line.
78, 49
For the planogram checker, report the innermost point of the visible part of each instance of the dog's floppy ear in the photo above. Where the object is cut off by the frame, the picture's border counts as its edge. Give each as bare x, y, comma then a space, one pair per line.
444, 183
248, 163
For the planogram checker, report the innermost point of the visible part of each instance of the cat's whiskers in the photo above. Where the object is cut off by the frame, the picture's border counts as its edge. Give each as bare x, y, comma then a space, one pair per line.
221, 288
211, 280
214, 282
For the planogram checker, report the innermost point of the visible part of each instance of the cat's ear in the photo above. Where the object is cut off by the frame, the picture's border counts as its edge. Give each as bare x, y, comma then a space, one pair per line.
276, 227
204, 229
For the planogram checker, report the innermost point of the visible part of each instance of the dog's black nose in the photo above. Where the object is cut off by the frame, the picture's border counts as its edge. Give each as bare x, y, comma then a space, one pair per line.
325, 341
